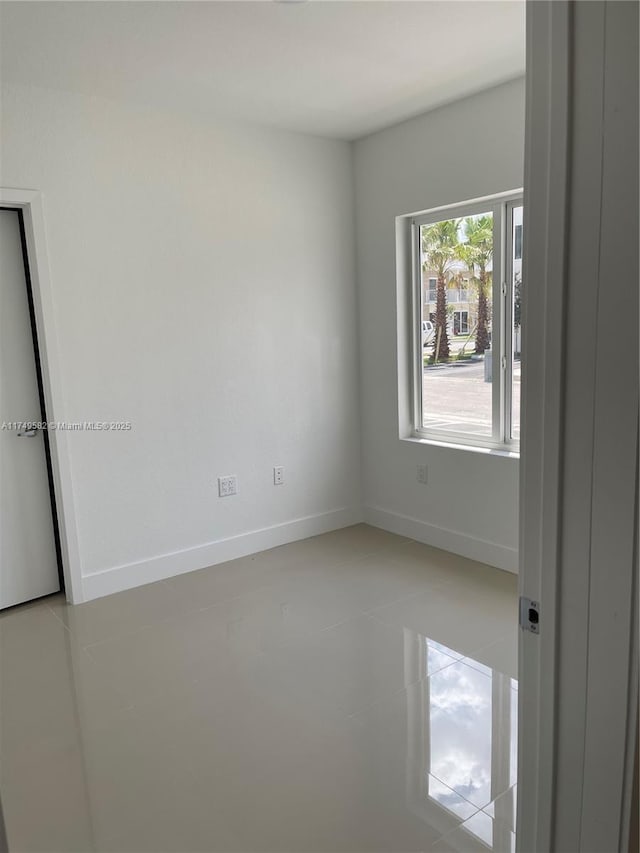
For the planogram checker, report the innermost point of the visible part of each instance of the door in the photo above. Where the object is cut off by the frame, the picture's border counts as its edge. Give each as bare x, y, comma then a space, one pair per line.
28, 559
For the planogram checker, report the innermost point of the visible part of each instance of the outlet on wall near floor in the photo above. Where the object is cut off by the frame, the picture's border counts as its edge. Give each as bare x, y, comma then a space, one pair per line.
278, 475
227, 486
421, 474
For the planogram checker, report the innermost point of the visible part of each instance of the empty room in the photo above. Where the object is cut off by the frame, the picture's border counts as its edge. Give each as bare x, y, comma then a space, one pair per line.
319, 426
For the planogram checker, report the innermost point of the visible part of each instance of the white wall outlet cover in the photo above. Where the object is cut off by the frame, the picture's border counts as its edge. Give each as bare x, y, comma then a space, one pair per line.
422, 473
227, 485
278, 475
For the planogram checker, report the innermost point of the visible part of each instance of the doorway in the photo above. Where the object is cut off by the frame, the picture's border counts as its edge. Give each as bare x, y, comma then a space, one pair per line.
30, 553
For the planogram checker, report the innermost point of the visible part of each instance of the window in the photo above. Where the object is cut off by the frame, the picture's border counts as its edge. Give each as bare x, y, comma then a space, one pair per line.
461, 322
467, 372
517, 242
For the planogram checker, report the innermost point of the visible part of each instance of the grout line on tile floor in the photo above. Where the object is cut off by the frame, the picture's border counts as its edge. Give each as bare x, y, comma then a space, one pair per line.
58, 619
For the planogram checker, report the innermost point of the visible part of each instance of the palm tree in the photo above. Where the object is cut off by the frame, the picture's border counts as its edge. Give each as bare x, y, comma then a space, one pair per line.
477, 253
439, 252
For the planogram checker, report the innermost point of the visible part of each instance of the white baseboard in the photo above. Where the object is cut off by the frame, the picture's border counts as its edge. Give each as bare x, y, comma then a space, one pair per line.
165, 566
169, 565
500, 556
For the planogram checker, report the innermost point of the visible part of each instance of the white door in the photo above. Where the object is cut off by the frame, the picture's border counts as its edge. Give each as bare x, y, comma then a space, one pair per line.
28, 562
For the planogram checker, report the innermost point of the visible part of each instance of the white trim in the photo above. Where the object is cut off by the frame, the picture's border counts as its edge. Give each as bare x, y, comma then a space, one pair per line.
498, 213
545, 189
464, 441
508, 319
31, 204
580, 408
611, 608
499, 556
507, 453
176, 563
409, 291
471, 207
417, 361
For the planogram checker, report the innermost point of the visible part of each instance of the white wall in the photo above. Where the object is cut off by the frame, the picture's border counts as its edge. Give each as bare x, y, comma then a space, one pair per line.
203, 285
468, 149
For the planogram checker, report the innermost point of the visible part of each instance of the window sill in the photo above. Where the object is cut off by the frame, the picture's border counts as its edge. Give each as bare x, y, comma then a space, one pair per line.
473, 448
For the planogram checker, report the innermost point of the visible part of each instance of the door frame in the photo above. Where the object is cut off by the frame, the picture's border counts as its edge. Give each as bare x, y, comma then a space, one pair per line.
30, 205
545, 198
578, 475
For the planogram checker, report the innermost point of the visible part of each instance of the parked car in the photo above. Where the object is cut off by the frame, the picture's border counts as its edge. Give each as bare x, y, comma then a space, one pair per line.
428, 332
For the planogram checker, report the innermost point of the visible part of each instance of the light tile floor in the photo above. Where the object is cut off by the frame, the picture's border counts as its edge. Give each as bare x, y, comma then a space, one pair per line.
352, 692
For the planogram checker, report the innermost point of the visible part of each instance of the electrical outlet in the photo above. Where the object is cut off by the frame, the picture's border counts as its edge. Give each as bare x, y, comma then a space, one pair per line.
278, 475
227, 486
422, 474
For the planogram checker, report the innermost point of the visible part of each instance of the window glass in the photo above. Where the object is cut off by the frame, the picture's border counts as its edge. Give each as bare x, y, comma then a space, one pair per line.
457, 268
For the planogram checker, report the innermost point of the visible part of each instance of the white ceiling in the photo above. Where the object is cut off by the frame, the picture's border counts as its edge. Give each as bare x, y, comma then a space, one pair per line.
338, 68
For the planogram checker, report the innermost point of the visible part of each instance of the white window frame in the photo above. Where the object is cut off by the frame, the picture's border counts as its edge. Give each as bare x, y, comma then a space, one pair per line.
501, 207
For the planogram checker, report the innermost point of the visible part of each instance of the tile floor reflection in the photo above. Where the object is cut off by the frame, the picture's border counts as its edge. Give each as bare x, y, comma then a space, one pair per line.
352, 692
